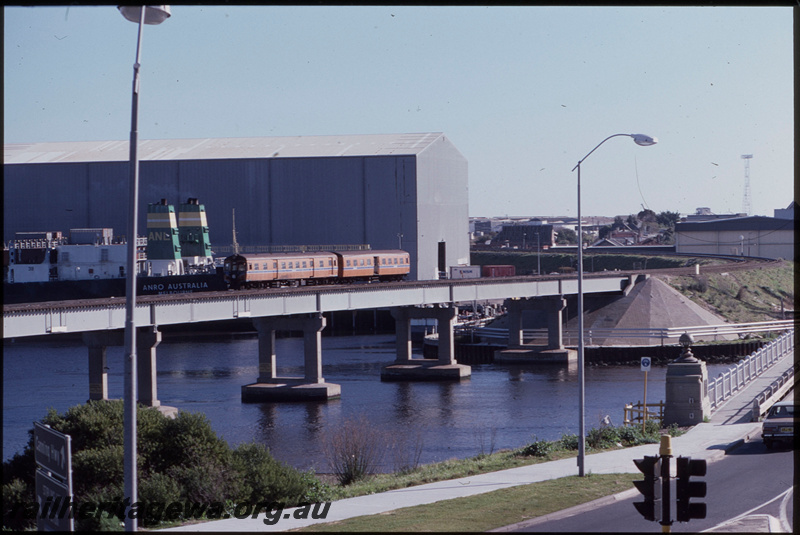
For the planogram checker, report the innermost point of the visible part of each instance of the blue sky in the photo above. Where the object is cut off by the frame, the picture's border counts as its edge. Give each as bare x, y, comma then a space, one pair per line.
522, 92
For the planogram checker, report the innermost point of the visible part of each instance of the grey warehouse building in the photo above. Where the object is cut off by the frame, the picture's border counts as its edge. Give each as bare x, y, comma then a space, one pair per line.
386, 191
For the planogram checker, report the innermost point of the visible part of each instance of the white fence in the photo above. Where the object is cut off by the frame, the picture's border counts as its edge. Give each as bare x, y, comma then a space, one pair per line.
730, 382
773, 393
662, 335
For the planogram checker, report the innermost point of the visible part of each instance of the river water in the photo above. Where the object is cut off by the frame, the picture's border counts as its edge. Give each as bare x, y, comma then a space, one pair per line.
500, 406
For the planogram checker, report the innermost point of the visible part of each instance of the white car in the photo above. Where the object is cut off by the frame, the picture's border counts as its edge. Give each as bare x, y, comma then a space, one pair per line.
779, 424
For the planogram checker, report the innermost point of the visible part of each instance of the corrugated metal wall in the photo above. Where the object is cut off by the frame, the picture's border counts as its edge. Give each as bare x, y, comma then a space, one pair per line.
278, 201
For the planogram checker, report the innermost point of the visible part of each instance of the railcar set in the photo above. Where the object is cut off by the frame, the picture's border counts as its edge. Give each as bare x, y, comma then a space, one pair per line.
299, 269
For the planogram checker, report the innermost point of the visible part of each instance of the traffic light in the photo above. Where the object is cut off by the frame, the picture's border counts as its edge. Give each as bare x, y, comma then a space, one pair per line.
650, 488
686, 489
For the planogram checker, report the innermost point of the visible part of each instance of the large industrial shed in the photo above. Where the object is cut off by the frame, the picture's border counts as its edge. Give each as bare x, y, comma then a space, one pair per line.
386, 191
766, 237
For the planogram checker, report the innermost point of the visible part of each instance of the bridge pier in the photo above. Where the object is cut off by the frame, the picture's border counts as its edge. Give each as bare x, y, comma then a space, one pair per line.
407, 368
269, 386
519, 353
147, 338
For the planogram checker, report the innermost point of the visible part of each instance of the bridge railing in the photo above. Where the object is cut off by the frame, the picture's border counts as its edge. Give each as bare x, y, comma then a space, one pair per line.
661, 335
730, 382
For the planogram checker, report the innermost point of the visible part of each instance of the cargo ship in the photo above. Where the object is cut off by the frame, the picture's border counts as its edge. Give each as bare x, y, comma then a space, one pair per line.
175, 257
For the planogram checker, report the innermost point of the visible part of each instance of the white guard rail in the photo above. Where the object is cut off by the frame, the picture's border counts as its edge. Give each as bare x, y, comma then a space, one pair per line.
730, 382
661, 334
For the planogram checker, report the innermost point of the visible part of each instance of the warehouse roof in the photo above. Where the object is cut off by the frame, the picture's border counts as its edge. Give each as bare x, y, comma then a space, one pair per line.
222, 148
755, 222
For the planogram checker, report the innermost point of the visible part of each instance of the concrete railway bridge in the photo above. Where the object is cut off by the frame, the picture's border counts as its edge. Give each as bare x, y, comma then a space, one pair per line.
101, 323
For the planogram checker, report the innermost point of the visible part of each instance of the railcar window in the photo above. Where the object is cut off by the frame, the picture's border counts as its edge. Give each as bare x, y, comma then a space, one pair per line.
304, 264
348, 263
283, 265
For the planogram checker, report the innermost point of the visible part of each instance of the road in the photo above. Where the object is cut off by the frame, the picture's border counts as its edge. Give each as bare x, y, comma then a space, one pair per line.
751, 480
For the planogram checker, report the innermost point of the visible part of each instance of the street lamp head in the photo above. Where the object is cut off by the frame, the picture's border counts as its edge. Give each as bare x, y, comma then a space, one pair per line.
152, 14
643, 140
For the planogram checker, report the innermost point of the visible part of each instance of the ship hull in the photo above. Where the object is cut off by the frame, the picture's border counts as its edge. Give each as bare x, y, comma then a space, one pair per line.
37, 292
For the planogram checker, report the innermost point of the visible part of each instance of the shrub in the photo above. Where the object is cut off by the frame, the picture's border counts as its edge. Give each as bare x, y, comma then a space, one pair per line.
264, 478
180, 459
537, 448
16, 496
355, 449
699, 284
568, 442
604, 437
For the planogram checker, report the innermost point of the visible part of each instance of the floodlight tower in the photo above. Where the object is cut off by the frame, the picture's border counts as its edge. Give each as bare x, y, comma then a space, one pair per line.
746, 204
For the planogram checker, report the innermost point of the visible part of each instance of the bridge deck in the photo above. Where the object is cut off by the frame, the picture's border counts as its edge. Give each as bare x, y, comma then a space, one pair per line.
37, 319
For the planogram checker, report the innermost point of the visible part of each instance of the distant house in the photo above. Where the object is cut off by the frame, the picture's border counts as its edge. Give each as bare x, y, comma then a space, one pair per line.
608, 242
760, 236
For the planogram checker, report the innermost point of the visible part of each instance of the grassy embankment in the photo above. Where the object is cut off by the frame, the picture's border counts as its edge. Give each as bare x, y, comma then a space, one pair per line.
742, 296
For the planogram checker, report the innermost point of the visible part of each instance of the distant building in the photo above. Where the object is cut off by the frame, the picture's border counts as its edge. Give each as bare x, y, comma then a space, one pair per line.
786, 213
760, 236
704, 213
387, 191
526, 236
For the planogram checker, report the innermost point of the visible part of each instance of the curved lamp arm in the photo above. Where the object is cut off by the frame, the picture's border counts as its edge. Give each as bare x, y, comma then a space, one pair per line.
639, 139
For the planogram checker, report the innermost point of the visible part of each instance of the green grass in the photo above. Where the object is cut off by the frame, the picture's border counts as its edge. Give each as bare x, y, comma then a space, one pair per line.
490, 510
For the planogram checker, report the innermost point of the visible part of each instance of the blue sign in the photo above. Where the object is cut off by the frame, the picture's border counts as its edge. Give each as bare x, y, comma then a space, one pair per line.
646, 362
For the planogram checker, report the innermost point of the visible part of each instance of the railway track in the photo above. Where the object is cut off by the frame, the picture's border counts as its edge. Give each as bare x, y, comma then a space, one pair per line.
732, 263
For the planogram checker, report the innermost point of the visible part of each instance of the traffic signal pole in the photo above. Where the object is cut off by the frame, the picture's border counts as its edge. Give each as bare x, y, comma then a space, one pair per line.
666, 454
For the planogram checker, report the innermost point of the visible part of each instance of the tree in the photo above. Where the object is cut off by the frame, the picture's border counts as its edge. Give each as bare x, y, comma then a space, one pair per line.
668, 219
618, 224
566, 236
647, 215
604, 232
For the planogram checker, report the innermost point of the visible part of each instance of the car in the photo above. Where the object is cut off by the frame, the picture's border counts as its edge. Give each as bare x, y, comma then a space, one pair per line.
779, 424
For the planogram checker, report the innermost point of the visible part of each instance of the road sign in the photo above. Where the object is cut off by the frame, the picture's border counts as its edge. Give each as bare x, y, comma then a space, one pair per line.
53, 497
646, 363
52, 450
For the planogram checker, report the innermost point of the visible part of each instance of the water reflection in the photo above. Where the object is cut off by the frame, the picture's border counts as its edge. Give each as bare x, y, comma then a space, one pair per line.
500, 406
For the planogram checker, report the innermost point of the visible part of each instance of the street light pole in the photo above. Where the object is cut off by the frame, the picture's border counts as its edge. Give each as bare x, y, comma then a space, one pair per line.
538, 252
141, 15
645, 141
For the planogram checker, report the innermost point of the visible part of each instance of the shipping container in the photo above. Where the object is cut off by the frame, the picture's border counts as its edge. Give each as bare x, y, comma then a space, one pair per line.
465, 272
499, 271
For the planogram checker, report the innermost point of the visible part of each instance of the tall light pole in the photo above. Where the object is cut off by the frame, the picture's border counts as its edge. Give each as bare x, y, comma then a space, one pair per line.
645, 141
141, 15
538, 252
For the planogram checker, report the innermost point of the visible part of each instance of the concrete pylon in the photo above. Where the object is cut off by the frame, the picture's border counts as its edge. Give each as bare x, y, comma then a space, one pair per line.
269, 386
520, 353
407, 368
147, 338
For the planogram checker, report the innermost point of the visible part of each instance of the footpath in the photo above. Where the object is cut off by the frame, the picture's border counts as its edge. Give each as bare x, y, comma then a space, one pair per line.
728, 427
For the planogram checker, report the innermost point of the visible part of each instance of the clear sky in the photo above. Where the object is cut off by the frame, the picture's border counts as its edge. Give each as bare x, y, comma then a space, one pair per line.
522, 92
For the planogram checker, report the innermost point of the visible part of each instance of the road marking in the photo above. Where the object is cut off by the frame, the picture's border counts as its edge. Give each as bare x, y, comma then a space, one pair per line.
780, 496
787, 499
